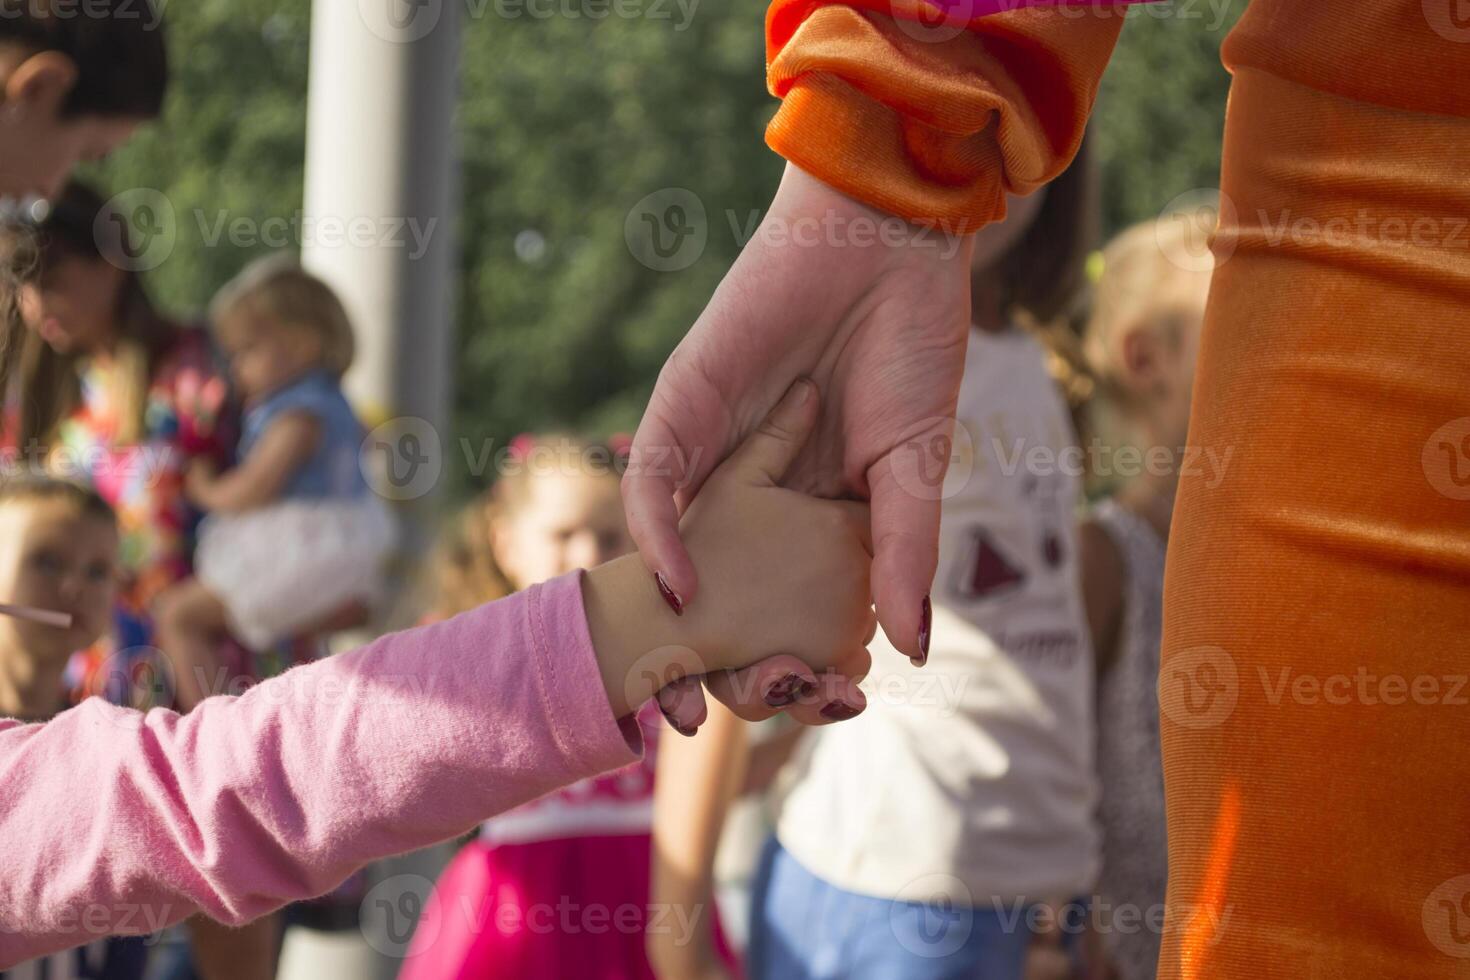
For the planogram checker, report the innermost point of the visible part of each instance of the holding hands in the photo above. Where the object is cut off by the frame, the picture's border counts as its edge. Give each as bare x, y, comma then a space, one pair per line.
784, 576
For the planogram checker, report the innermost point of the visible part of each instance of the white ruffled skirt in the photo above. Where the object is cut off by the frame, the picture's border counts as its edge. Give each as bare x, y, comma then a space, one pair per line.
283, 568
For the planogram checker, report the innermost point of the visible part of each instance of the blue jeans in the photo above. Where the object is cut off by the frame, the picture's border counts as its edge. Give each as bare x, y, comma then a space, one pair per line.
802, 928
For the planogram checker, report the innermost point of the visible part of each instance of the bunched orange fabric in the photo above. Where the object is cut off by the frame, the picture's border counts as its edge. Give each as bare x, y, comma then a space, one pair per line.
1315, 709
932, 121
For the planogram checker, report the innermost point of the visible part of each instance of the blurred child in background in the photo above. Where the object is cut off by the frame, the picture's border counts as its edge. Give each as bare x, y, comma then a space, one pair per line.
295, 535
919, 834
109, 391
1139, 350
58, 553
559, 887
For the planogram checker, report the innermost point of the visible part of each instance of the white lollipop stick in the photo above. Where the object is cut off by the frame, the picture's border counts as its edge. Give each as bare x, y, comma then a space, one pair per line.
60, 620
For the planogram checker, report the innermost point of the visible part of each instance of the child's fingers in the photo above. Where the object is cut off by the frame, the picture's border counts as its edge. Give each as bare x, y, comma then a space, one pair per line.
763, 689
683, 706
836, 698
811, 699
767, 452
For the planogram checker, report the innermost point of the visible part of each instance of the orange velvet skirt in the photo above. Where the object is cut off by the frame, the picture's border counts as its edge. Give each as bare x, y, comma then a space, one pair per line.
1315, 683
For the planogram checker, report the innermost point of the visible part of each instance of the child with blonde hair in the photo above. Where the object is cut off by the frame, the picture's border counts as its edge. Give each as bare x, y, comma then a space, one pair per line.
294, 534
1139, 349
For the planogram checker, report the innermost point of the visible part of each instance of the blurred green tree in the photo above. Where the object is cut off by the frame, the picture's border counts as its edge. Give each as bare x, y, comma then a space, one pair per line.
568, 122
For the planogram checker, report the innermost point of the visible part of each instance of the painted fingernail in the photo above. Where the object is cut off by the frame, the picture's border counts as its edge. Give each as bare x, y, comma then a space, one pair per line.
788, 690
926, 620
840, 711
670, 596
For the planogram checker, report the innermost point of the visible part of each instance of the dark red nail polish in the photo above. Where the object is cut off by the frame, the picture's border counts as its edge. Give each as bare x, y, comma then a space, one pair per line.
670, 596
788, 690
926, 620
840, 711
681, 729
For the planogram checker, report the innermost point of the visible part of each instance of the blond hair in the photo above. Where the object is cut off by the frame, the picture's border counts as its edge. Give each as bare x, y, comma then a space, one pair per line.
1146, 276
462, 572
280, 290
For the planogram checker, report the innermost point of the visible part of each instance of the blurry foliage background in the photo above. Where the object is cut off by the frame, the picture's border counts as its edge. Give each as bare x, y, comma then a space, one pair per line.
565, 123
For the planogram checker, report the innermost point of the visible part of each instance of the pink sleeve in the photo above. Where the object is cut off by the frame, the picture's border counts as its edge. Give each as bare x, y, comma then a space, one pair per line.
118, 822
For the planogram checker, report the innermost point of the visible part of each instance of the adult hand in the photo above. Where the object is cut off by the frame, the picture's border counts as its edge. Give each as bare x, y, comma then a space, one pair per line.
876, 311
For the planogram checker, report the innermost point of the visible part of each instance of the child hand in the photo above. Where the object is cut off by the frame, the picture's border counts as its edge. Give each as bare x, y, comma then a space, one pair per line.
780, 573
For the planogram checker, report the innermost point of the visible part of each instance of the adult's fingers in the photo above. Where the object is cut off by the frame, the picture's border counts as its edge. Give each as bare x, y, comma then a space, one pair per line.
784, 683
767, 452
906, 552
683, 705
763, 689
659, 463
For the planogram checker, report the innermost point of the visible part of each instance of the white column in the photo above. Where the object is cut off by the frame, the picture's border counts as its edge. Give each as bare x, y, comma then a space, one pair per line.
381, 189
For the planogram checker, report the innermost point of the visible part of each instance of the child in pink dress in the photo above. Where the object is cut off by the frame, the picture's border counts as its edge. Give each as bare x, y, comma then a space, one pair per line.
560, 886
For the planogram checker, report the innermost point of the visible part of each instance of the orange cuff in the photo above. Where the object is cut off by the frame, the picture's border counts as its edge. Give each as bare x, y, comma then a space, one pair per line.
935, 124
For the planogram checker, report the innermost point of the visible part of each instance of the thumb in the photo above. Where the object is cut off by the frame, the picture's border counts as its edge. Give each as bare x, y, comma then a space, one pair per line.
767, 453
905, 555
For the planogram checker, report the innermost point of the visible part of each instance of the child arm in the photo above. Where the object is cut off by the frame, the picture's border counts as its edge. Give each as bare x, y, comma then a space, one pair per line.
248, 803
696, 781
1102, 591
287, 443
121, 823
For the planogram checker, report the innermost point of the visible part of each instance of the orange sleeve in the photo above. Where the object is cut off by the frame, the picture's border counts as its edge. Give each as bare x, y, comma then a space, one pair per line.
933, 120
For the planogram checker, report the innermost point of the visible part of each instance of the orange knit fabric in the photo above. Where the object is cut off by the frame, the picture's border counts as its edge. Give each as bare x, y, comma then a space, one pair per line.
1315, 708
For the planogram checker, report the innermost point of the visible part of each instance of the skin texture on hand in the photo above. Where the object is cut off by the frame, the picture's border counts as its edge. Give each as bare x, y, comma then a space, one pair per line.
785, 573
876, 312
